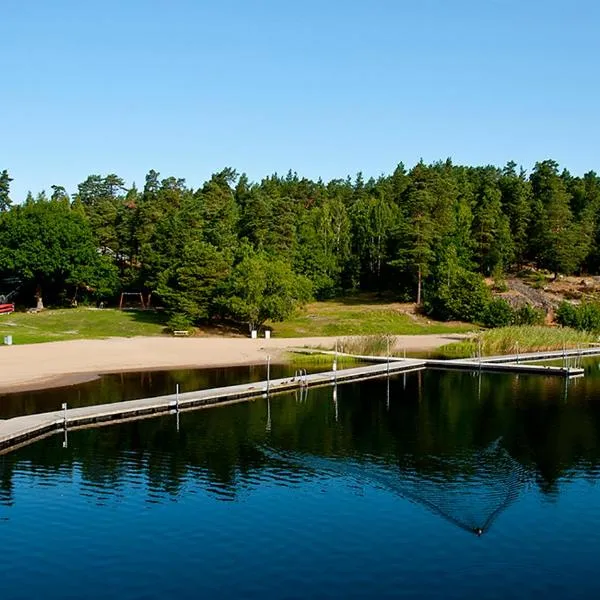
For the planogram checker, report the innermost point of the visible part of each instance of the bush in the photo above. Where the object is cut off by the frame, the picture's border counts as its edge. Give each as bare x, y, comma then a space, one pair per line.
498, 313
179, 322
465, 299
566, 315
528, 315
585, 317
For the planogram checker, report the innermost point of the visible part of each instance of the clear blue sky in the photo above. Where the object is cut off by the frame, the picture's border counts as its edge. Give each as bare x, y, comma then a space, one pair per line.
326, 87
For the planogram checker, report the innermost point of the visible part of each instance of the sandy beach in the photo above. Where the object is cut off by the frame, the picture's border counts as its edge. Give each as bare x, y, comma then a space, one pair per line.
53, 364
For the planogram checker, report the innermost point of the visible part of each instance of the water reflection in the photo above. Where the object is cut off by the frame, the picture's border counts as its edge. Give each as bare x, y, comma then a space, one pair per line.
423, 436
490, 482
119, 387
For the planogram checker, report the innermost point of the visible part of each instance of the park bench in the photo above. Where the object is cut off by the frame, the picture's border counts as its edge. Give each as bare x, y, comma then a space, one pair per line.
181, 333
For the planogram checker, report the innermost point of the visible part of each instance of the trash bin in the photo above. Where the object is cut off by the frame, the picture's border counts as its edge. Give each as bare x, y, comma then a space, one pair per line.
254, 334
267, 334
8, 340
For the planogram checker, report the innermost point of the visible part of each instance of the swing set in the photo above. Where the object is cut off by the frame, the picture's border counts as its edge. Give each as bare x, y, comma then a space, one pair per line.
124, 304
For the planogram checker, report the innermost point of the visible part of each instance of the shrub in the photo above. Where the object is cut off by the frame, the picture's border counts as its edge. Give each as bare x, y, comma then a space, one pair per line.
585, 317
566, 315
465, 299
498, 313
179, 322
528, 315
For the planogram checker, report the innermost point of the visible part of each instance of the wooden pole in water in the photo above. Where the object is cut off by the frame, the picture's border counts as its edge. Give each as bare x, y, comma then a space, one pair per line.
177, 397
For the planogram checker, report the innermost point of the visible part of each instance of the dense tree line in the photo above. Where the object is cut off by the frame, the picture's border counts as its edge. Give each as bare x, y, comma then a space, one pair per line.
251, 251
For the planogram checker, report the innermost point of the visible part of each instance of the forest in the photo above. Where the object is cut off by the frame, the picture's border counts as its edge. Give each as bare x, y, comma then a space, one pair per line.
253, 251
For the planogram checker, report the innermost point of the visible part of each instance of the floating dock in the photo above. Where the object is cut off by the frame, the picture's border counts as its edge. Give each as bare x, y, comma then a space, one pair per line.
19, 431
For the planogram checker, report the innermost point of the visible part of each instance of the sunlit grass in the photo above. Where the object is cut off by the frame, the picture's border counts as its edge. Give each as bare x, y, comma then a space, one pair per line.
355, 317
510, 340
78, 323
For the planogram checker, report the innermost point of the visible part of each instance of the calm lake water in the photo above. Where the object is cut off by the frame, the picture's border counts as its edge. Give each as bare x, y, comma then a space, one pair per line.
438, 485
128, 386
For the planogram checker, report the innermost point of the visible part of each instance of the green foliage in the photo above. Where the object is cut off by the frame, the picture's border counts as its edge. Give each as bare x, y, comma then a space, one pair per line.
528, 315
462, 296
190, 284
498, 313
426, 234
179, 322
4, 191
50, 246
584, 317
263, 288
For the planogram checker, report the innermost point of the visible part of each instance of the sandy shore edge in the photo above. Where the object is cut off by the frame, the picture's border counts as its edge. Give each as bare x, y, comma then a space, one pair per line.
57, 364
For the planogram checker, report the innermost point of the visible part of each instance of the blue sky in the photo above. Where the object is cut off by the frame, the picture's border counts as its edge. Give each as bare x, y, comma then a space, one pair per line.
327, 88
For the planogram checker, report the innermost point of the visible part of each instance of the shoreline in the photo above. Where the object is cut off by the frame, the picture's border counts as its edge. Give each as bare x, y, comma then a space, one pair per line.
34, 367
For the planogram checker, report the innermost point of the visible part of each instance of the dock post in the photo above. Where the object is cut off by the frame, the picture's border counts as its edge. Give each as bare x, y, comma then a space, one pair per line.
388, 355
335, 364
517, 345
64, 407
177, 397
268, 373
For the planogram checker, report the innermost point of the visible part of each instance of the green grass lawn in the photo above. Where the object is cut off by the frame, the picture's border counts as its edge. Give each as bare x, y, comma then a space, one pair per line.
78, 323
510, 340
360, 316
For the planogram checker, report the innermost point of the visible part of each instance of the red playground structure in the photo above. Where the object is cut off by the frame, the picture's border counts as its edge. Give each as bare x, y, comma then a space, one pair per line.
7, 308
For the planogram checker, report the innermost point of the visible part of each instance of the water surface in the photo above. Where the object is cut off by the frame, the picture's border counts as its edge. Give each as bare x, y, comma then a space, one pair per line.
437, 485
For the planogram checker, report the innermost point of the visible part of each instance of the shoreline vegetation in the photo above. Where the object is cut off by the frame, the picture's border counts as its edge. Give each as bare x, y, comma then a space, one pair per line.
518, 339
241, 255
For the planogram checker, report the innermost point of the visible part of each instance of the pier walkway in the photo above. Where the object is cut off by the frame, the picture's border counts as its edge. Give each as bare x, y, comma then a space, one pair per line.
22, 430
16, 431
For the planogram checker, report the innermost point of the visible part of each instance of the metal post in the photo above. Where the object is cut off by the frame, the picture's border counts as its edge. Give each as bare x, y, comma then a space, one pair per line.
268, 373
64, 407
388, 355
335, 364
177, 397
517, 345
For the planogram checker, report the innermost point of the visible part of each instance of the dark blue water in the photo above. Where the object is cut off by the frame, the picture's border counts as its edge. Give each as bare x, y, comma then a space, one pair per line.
445, 486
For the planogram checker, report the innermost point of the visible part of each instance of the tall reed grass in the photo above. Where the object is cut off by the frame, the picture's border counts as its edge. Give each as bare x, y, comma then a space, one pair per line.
526, 338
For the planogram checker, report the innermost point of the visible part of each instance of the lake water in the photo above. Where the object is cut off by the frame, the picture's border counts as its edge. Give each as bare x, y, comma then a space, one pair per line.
438, 485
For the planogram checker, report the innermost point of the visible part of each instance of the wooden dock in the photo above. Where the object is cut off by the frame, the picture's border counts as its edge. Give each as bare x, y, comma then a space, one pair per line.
22, 430
19, 430
498, 367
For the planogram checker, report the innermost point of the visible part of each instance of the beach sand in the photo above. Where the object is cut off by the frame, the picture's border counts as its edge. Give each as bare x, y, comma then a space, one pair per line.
39, 366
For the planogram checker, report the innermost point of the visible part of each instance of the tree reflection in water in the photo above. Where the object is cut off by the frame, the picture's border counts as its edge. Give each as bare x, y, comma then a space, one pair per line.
489, 481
